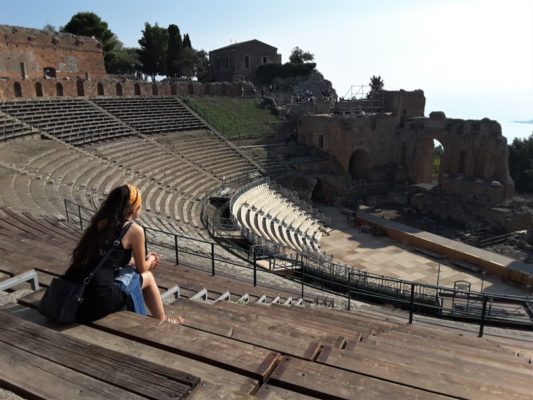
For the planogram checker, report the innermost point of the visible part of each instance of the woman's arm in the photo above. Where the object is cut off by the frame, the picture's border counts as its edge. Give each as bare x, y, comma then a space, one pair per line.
134, 240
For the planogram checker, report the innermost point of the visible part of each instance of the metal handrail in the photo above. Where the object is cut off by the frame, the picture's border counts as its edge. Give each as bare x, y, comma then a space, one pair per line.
349, 282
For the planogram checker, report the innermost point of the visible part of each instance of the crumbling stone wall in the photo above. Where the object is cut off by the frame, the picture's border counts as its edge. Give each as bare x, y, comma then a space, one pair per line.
26, 53
117, 87
397, 146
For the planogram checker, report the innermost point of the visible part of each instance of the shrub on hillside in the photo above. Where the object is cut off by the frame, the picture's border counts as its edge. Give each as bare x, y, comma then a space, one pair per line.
266, 73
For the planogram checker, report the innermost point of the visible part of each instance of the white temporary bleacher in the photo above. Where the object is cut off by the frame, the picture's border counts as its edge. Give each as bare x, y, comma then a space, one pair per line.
270, 215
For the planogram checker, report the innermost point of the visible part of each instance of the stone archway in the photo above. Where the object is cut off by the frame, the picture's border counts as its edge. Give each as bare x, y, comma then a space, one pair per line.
59, 89
100, 89
137, 89
80, 87
17, 89
155, 89
118, 88
359, 164
431, 160
38, 89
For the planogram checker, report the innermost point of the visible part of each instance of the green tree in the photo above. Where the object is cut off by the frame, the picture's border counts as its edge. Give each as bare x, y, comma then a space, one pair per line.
521, 163
298, 56
174, 52
125, 61
376, 86
187, 41
438, 153
152, 53
90, 24
202, 66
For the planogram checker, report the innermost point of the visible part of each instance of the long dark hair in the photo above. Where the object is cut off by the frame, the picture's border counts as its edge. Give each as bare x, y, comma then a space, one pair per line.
104, 228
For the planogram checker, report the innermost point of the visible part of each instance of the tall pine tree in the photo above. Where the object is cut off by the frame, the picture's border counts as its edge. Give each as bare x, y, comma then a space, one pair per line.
175, 47
153, 50
187, 41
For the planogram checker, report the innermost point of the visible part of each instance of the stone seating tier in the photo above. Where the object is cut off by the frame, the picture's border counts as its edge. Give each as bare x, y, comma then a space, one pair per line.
151, 114
76, 121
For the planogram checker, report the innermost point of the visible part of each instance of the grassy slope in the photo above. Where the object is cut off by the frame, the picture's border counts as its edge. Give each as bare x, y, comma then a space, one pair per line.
234, 117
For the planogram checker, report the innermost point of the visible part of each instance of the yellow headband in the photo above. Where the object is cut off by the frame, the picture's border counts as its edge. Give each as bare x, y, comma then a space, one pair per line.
135, 197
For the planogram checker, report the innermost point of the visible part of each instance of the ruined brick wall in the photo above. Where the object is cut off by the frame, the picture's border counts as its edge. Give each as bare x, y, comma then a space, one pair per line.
31, 88
396, 148
26, 53
404, 103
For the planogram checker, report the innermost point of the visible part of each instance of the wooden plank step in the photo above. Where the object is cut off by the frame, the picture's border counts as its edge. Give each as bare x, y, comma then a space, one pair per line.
457, 343
34, 377
494, 357
454, 380
325, 382
135, 375
216, 382
242, 358
265, 332
269, 392
324, 332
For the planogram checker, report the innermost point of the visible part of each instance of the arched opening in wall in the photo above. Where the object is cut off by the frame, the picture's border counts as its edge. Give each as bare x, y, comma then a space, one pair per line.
155, 90
436, 161
80, 88
38, 89
49, 72
190, 89
359, 165
118, 87
137, 89
173, 89
100, 89
17, 89
429, 161
59, 89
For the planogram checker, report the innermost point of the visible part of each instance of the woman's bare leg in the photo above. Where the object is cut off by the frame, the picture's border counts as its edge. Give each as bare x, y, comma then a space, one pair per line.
152, 297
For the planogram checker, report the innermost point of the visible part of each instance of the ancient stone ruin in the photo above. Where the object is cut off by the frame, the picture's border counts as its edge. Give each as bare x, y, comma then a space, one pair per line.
396, 145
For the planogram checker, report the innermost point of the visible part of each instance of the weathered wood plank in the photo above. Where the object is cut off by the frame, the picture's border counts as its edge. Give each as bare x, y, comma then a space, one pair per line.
232, 355
269, 392
326, 382
327, 330
268, 332
35, 377
455, 379
446, 353
125, 371
217, 384
467, 345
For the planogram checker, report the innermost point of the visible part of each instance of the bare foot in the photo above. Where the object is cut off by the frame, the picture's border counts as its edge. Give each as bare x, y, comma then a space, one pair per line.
178, 320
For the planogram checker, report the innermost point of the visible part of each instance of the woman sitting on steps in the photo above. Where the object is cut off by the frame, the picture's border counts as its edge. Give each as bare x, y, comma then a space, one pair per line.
118, 283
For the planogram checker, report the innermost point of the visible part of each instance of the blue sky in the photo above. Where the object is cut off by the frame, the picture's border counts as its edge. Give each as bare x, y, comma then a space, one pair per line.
472, 58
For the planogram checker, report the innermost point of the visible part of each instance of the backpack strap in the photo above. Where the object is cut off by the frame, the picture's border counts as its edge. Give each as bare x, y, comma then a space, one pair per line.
116, 244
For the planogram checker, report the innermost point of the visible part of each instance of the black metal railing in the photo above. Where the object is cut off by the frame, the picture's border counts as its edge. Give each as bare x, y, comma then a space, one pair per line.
320, 272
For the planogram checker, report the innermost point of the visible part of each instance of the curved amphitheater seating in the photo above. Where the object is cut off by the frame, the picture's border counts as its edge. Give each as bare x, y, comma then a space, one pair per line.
239, 347
271, 216
76, 121
156, 114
